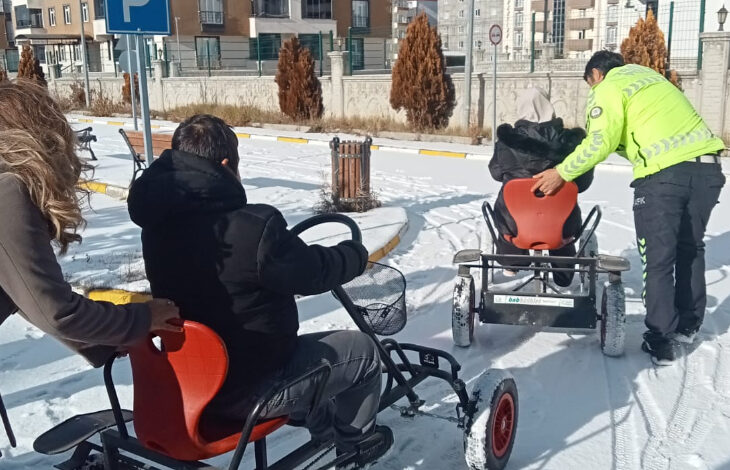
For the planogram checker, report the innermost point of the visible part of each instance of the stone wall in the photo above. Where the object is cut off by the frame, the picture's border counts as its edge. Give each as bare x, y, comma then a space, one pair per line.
368, 96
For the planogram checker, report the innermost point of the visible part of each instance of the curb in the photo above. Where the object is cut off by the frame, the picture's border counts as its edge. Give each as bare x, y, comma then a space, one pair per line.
111, 190
298, 140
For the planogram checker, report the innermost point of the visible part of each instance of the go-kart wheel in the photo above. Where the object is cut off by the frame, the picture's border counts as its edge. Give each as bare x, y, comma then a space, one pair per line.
613, 319
462, 314
490, 431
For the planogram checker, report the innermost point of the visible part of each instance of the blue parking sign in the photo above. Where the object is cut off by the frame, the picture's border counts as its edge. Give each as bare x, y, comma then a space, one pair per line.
138, 16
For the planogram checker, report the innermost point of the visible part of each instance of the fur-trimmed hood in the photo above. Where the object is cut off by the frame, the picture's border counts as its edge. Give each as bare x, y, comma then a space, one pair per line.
549, 139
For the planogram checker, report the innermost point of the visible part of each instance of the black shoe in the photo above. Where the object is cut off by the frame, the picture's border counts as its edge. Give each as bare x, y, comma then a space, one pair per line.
370, 450
663, 351
686, 336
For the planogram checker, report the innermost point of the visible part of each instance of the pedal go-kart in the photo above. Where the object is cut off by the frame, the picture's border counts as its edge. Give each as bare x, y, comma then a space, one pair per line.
535, 301
175, 381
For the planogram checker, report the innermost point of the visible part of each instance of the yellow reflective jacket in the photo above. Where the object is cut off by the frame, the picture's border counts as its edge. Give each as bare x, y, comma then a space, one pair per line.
639, 114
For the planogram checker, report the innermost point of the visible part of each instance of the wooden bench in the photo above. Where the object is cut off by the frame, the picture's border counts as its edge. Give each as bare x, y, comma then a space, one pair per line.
135, 143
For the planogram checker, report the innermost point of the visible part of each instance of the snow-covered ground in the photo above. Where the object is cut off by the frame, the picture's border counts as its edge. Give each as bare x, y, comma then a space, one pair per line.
578, 409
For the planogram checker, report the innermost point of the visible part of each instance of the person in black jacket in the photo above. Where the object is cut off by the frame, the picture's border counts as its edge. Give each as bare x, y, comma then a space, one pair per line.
235, 267
536, 142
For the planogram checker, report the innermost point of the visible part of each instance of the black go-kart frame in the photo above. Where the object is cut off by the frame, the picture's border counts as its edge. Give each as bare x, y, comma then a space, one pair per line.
487, 416
546, 306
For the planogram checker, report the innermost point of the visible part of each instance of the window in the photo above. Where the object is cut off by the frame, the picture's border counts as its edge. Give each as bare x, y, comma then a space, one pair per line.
462, 28
518, 39
612, 14
267, 45
581, 13
519, 4
317, 9
28, 17
581, 34
477, 12
358, 55
210, 11
461, 44
461, 13
52, 16
85, 12
360, 14
611, 35
40, 53
271, 8
67, 14
99, 11
518, 19
208, 52
311, 42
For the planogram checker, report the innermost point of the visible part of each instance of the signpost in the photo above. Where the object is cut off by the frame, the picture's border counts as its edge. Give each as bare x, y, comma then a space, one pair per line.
139, 17
495, 37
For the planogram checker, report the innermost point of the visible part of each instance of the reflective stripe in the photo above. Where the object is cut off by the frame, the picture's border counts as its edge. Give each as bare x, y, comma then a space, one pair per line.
580, 161
675, 142
639, 84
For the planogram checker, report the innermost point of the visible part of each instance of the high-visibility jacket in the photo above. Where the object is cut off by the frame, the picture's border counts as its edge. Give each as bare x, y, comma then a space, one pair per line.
641, 115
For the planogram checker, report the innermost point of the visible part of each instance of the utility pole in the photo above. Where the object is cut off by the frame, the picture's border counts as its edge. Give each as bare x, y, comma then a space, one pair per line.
468, 62
85, 57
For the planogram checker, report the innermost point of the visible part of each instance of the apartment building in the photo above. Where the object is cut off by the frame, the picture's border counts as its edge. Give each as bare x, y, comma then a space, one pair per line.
8, 53
404, 11
452, 20
227, 34
53, 29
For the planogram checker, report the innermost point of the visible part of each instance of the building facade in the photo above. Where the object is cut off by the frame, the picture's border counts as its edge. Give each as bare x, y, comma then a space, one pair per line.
452, 26
206, 34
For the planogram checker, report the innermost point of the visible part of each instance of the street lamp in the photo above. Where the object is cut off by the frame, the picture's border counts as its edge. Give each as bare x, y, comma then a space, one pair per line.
721, 17
177, 36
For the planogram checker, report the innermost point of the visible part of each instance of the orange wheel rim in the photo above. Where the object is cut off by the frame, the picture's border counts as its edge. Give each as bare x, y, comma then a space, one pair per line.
503, 425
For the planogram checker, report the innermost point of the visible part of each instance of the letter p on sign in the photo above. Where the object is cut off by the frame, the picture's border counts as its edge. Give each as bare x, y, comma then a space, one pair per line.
128, 4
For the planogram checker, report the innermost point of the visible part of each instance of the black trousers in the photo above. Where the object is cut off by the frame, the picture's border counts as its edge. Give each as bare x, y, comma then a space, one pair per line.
671, 212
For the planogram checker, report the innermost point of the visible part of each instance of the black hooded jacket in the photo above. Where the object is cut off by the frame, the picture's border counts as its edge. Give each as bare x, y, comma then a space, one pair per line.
231, 265
529, 148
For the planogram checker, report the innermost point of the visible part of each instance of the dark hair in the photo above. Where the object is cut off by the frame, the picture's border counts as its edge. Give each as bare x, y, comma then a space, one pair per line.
604, 61
208, 137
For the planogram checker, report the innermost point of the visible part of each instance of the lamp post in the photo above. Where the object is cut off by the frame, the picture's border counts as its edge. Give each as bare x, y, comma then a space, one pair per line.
83, 53
721, 17
177, 36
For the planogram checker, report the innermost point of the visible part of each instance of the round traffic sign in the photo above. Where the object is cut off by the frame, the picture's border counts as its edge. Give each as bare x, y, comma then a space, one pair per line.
495, 34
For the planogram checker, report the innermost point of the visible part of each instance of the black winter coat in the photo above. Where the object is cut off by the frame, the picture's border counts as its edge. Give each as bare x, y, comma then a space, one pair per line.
529, 148
231, 265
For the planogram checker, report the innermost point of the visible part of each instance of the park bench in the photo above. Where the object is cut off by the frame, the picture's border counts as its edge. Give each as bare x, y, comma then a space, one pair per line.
84, 137
135, 143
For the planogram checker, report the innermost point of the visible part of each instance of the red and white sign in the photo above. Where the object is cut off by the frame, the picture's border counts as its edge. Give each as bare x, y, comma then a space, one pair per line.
495, 34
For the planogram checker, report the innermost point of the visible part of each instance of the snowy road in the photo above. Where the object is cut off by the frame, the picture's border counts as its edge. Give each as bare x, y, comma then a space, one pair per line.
578, 409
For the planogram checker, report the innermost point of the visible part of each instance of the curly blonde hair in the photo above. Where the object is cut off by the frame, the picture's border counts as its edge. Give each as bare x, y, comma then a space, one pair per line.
38, 146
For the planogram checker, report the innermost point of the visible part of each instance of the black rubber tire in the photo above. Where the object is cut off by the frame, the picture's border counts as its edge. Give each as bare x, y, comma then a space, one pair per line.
613, 319
463, 310
491, 432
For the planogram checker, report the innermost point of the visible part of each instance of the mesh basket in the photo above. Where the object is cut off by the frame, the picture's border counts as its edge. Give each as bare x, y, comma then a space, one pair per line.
379, 295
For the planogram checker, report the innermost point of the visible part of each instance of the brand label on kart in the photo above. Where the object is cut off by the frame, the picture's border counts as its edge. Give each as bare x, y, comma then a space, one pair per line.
537, 301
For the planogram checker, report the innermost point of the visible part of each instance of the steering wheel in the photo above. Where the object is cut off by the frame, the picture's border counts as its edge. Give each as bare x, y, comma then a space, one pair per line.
320, 219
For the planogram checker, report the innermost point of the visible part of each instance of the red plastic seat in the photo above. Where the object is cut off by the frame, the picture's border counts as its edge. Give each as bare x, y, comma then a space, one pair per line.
172, 388
539, 220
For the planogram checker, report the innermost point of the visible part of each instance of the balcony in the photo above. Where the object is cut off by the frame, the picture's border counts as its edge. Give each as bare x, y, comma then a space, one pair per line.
580, 24
580, 4
270, 8
539, 5
214, 18
578, 45
613, 2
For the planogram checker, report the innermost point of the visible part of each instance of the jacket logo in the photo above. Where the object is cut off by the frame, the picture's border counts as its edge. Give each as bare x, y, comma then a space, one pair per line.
596, 112
639, 201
